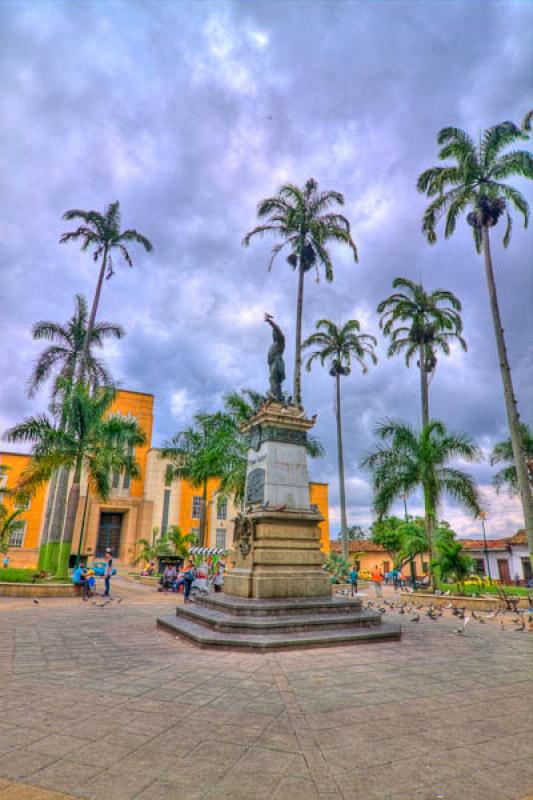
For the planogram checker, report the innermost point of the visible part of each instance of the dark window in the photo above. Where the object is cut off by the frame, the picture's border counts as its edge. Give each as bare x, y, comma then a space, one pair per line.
116, 478
314, 507
166, 505
479, 565
222, 508
196, 506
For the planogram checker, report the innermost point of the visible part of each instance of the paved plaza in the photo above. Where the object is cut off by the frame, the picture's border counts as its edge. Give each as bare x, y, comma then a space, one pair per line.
98, 703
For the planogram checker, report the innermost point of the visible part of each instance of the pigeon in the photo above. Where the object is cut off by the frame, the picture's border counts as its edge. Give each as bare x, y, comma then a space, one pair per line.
401, 610
522, 626
415, 618
119, 600
460, 631
493, 614
35, 601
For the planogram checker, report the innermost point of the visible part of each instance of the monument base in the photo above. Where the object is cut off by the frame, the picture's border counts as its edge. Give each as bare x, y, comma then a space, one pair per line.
280, 556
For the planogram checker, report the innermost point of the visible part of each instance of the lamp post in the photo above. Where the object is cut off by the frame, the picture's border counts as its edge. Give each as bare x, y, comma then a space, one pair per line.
483, 517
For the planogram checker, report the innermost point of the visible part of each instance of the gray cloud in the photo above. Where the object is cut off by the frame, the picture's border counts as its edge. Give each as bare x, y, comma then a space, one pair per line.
189, 113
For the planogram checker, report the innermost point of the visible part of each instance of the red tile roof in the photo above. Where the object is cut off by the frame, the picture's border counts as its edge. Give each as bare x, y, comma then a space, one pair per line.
359, 546
496, 544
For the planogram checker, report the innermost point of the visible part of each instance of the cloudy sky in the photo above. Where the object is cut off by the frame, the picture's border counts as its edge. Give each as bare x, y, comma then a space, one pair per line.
189, 113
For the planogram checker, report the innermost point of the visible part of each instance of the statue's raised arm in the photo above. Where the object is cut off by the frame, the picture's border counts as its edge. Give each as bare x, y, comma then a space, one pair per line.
276, 364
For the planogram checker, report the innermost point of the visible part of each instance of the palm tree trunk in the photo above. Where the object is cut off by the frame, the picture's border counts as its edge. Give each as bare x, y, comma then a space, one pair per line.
92, 317
429, 517
50, 502
57, 522
424, 389
297, 385
340, 456
70, 522
508, 391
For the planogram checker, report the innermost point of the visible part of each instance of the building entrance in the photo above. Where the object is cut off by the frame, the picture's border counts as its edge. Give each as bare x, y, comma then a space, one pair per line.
109, 534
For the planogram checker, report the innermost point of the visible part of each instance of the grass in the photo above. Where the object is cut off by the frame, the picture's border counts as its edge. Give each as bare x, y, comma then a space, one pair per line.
19, 575
477, 591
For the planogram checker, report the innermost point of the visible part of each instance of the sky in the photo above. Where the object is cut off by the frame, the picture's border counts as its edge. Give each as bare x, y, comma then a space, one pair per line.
189, 113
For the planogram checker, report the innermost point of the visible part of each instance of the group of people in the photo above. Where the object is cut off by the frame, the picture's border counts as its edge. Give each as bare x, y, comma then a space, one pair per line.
86, 579
173, 580
377, 578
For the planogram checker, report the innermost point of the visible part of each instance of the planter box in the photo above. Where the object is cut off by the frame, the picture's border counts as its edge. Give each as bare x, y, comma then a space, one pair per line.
146, 580
39, 589
484, 603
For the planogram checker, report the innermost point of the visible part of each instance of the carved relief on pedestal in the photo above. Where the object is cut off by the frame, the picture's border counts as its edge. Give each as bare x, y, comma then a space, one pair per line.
243, 534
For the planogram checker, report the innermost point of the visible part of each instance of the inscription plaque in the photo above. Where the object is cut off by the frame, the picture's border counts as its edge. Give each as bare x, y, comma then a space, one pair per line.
255, 486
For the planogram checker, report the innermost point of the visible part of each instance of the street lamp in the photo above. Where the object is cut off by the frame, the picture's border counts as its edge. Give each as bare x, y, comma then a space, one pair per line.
483, 517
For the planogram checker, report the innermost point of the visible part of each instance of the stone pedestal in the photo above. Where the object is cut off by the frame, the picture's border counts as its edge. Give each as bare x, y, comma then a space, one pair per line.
277, 540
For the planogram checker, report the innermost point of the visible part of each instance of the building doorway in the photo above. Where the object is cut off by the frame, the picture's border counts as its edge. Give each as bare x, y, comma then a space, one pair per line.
109, 534
526, 567
503, 571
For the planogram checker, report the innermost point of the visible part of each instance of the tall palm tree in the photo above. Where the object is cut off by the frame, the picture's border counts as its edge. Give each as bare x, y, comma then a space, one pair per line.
102, 233
301, 218
421, 323
9, 523
179, 542
62, 357
474, 182
198, 454
503, 451
94, 442
410, 459
336, 347
61, 360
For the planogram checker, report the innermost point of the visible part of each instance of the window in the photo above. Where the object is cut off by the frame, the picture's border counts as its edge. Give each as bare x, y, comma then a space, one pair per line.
314, 507
196, 506
16, 538
479, 566
116, 479
220, 538
164, 517
222, 508
127, 479
425, 566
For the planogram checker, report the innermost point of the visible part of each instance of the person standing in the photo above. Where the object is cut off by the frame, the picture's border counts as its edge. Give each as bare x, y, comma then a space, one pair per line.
186, 581
108, 572
353, 578
377, 577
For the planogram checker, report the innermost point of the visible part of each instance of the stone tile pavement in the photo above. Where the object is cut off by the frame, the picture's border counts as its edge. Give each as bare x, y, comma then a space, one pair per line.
98, 703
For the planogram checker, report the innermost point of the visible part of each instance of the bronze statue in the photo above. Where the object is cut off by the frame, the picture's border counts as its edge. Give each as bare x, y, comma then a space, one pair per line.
275, 361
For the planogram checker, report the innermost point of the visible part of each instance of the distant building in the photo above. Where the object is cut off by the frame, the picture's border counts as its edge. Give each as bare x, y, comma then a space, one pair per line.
508, 558
367, 555
135, 507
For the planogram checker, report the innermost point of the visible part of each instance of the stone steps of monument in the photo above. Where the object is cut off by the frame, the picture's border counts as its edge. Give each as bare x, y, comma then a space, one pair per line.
220, 620
282, 606
208, 637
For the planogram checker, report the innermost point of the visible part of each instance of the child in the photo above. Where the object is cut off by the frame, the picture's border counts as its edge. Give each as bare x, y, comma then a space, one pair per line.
91, 583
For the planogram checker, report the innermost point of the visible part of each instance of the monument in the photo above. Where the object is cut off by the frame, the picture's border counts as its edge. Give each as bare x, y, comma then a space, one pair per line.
277, 594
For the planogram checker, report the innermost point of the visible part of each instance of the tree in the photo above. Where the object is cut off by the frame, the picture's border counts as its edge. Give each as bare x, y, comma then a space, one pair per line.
338, 567
95, 443
301, 218
62, 357
102, 233
387, 532
452, 562
336, 347
157, 547
9, 523
180, 542
475, 182
355, 533
411, 459
421, 323
203, 452
60, 360
503, 451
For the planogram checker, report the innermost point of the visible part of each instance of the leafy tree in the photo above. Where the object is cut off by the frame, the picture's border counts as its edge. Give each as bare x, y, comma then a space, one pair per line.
102, 233
421, 323
95, 442
61, 359
302, 220
9, 523
336, 347
388, 532
409, 459
180, 542
338, 567
157, 547
503, 451
452, 562
355, 533
475, 183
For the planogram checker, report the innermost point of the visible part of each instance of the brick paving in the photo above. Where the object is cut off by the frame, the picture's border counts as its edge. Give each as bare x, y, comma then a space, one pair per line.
98, 703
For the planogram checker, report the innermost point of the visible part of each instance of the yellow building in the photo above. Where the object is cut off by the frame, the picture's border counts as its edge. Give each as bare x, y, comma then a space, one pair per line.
133, 509
24, 541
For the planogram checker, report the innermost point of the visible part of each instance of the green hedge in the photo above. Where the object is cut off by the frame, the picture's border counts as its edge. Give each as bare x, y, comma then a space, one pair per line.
19, 575
477, 591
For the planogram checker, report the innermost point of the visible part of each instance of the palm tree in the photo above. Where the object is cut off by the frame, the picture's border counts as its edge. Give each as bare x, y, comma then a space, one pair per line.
338, 567
199, 453
301, 218
158, 547
452, 562
95, 443
180, 542
412, 459
102, 233
336, 347
61, 359
475, 183
503, 451
421, 323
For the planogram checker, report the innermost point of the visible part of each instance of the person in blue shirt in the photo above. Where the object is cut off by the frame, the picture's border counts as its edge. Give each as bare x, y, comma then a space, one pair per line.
353, 578
79, 578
